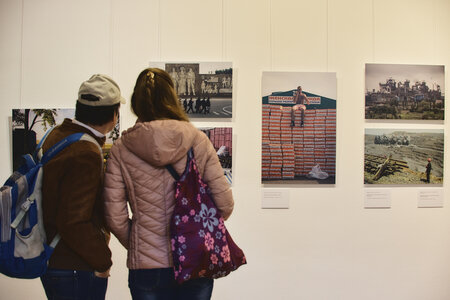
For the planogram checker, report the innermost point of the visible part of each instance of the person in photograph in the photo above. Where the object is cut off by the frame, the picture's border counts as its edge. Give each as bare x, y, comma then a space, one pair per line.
299, 103
203, 105
136, 177
229, 82
224, 82
174, 76
72, 206
190, 77
207, 106
428, 170
198, 105
190, 108
185, 104
208, 88
203, 86
182, 78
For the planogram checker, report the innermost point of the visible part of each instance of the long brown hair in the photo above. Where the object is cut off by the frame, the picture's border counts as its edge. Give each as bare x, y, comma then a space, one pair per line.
154, 97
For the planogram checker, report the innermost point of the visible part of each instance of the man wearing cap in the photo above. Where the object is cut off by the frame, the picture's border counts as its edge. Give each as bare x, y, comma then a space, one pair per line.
71, 189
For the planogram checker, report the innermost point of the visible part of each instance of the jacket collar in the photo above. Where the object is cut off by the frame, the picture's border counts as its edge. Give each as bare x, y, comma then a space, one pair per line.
74, 125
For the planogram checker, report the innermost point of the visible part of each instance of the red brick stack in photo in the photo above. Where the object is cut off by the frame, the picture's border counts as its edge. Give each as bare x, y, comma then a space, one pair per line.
330, 142
265, 164
221, 137
292, 151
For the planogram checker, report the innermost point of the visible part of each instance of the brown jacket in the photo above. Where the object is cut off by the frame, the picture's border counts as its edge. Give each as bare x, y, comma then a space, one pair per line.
71, 190
135, 174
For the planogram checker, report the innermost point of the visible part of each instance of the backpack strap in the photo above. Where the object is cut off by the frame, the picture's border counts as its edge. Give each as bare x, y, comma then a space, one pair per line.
55, 241
58, 147
89, 138
41, 142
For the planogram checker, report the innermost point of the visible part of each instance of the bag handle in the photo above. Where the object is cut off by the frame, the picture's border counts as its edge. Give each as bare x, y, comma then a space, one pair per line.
171, 169
172, 172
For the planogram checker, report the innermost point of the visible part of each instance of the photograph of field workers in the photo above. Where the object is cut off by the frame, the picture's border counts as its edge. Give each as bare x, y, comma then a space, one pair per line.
298, 128
404, 156
405, 92
205, 89
29, 127
222, 140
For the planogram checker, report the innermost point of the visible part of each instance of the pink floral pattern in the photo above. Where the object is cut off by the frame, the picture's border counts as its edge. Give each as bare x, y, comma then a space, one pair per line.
214, 259
209, 242
225, 253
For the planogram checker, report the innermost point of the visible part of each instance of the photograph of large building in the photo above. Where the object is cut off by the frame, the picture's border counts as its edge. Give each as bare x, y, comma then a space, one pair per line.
404, 92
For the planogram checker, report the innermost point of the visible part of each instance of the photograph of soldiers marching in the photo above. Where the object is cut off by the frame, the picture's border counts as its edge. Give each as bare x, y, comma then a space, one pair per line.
205, 89
298, 127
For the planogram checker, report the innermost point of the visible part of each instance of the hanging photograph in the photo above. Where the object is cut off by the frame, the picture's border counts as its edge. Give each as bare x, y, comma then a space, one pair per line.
298, 128
404, 156
30, 125
222, 140
205, 89
405, 92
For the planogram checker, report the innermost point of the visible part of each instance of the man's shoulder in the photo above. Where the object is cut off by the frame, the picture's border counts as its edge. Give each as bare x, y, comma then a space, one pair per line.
64, 130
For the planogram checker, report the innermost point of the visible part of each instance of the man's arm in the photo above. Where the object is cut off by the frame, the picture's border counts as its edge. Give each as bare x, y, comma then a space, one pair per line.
306, 99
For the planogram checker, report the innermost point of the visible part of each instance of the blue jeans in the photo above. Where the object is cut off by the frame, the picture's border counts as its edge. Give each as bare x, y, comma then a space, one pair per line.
73, 285
160, 284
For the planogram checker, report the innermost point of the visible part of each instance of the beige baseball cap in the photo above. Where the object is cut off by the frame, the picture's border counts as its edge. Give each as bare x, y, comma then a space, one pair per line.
100, 90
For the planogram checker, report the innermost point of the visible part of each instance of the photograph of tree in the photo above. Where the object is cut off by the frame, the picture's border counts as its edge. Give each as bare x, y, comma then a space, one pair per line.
222, 140
298, 128
205, 89
30, 125
404, 156
404, 92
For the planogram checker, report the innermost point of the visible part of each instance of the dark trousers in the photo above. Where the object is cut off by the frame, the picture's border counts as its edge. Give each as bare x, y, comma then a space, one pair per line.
160, 284
72, 284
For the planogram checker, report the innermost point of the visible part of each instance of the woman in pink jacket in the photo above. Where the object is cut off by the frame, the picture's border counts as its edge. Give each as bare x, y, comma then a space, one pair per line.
136, 175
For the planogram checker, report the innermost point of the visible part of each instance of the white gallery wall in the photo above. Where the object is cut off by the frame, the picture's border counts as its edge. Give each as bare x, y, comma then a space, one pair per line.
326, 245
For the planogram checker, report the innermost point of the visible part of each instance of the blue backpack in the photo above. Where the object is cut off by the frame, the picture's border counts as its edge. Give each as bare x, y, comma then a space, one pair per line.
24, 251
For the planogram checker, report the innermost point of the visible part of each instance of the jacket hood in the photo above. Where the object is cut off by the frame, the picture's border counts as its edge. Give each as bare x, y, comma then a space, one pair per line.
160, 142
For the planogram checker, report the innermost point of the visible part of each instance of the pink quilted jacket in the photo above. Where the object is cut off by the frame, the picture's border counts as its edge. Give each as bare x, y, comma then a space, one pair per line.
135, 174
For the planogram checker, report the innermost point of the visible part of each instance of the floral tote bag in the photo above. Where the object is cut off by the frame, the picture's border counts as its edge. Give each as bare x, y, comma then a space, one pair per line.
201, 244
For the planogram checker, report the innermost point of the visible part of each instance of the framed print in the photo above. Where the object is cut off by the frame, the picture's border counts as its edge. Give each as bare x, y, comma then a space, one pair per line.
404, 92
205, 89
403, 156
30, 125
298, 127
